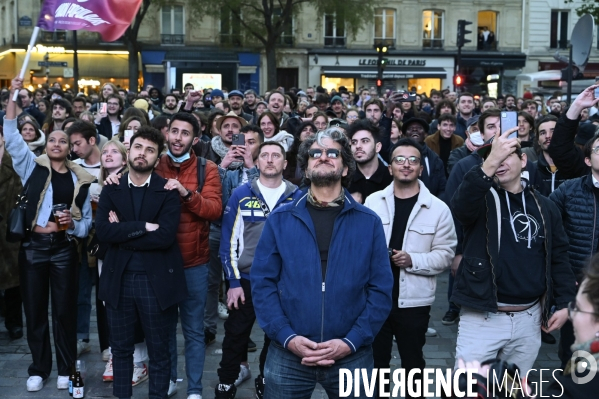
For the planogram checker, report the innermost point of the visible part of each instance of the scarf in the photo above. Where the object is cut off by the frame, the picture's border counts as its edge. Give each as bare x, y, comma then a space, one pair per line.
585, 346
283, 138
323, 204
221, 150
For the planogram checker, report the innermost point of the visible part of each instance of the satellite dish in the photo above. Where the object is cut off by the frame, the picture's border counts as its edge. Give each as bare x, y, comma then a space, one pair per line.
582, 40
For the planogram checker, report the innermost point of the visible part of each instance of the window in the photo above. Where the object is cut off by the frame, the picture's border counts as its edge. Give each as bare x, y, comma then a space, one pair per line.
230, 28
558, 37
334, 30
56, 36
487, 30
384, 27
432, 29
287, 35
173, 25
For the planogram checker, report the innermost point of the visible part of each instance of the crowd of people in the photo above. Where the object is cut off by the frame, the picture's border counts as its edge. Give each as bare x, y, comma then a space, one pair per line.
327, 216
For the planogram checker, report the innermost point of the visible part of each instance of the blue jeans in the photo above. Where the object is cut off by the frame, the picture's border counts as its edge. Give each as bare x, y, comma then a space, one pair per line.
191, 311
87, 276
287, 378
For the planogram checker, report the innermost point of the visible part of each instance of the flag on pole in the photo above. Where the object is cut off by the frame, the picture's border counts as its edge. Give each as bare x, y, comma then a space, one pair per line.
110, 18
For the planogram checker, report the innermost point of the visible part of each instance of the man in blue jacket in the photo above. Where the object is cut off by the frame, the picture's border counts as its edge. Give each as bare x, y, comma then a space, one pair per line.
321, 278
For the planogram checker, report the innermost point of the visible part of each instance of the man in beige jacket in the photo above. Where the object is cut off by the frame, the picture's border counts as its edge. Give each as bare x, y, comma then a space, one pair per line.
421, 239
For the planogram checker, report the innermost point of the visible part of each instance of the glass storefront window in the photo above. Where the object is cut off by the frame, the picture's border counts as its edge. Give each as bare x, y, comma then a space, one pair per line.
335, 83
424, 85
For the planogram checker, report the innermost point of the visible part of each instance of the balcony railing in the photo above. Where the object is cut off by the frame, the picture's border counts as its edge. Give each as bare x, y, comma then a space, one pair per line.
432, 43
334, 41
173, 39
379, 41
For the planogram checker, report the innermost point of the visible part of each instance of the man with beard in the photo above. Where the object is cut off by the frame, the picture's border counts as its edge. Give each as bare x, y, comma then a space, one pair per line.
421, 238
243, 220
549, 175
371, 173
324, 301
433, 174
78, 106
171, 104
61, 110
510, 103
29, 107
108, 123
198, 209
276, 104
465, 111
337, 107
236, 102
249, 104
138, 219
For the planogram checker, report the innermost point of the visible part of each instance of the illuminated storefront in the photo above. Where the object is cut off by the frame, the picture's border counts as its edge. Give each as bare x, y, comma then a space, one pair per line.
96, 67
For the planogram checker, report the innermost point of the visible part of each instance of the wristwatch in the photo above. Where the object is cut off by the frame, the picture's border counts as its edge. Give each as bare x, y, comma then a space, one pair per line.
187, 196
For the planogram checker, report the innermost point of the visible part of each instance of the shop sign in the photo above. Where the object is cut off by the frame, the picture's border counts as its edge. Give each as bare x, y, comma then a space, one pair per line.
393, 62
387, 76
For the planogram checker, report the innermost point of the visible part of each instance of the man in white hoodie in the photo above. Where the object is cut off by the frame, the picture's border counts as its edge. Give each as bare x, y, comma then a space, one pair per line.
421, 239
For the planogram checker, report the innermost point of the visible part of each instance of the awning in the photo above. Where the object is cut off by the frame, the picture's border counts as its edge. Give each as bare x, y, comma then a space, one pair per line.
389, 73
493, 59
90, 65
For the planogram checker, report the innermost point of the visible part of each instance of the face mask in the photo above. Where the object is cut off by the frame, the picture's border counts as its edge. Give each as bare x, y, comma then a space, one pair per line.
180, 159
476, 139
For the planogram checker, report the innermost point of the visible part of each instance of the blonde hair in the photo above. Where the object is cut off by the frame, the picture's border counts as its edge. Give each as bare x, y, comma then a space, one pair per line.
121, 147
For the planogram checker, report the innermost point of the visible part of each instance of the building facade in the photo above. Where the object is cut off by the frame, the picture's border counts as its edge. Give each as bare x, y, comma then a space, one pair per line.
548, 29
313, 50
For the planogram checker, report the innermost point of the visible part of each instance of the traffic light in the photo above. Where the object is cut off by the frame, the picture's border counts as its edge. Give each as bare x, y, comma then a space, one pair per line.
379, 83
458, 80
382, 61
462, 32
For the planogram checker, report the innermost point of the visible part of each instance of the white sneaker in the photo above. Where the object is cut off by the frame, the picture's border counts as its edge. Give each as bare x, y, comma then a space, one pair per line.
108, 376
430, 332
106, 355
36, 383
62, 382
172, 388
223, 312
244, 375
140, 374
194, 396
83, 347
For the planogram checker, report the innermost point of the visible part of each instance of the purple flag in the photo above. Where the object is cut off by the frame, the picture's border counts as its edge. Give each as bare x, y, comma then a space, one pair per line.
108, 17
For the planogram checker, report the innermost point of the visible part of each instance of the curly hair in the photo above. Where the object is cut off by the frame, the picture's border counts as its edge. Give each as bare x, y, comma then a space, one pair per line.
338, 137
151, 134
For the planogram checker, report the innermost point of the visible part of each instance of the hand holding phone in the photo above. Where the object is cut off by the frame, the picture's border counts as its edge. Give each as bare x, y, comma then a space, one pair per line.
509, 120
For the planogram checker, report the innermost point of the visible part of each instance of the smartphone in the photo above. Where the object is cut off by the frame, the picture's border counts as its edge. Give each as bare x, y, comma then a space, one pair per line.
597, 92
128, 134
238, 139
403, 96
103, 108
509, 120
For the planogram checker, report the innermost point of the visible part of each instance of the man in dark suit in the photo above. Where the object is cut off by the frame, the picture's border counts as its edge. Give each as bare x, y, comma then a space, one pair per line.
143, 277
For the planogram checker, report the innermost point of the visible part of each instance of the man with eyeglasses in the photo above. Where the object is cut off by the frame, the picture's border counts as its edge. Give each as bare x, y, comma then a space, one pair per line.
576, 199
421, 240
433, 174
108, 123
515, 262
322, 302
372, 174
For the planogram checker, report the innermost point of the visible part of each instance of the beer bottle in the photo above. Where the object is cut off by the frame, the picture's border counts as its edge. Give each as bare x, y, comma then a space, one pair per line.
72, 379
78, 390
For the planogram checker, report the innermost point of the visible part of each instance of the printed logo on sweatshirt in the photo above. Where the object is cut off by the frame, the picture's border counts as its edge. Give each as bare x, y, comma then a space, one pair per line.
525, 222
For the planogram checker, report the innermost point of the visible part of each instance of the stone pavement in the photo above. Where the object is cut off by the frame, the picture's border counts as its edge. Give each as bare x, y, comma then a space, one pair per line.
15, 358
